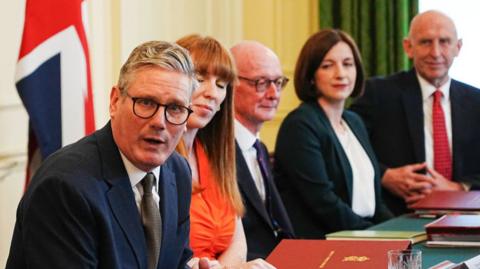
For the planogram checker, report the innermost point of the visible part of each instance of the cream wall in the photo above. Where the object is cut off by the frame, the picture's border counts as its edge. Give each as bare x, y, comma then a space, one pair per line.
115, 27
13, 119
283, 25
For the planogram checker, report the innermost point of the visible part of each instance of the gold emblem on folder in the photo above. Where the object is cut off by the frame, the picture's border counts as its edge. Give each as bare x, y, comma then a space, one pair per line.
355, 259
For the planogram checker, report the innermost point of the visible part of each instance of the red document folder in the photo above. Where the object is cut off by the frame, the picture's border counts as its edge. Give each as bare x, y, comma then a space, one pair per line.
450, 201
458, 229
333, 254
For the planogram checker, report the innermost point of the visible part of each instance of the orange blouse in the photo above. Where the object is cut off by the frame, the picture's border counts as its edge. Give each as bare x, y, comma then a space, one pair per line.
212, 218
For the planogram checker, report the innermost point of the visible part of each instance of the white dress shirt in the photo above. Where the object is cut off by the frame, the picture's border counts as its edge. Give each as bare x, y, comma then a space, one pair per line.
363, 191
245, 140
427, 97
136, 175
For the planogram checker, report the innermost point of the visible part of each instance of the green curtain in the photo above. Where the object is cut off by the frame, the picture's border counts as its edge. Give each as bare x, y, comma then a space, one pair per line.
378, 27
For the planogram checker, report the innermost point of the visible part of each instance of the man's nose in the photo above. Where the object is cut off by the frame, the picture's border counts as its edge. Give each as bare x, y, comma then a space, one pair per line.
435, 49
159, 119
272, 91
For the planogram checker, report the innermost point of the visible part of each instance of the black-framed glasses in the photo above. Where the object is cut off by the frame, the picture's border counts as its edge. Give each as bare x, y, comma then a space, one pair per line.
262, 84
174, 113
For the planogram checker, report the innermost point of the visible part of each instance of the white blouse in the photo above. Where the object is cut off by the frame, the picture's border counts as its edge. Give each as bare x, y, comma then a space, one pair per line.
363, 196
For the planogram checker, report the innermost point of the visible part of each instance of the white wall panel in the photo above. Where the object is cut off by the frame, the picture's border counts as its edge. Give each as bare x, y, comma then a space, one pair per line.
13, 122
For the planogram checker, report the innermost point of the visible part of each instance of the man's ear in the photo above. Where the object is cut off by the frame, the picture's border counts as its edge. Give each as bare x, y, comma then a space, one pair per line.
114, 99
408, 47
459, 46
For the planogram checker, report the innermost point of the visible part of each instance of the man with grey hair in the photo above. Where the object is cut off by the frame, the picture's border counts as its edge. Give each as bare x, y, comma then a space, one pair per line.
97, 203
423, 125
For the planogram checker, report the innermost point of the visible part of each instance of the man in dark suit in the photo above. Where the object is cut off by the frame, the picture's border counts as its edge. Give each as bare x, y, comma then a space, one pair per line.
422, 124
256, 99
96, 203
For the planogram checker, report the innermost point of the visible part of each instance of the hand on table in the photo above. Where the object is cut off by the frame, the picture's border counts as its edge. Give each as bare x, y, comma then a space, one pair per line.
443, 184
406, 182
440, 183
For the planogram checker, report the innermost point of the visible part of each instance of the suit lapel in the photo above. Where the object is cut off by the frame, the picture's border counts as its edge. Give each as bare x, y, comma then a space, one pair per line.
120, 195
168, 210
413, 107
364, 142
361, 138
247, 185
459, 109
344, 164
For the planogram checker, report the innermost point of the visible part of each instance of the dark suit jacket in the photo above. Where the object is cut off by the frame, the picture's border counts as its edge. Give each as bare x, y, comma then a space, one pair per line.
393, 113
314, 176
80, 212
259, 230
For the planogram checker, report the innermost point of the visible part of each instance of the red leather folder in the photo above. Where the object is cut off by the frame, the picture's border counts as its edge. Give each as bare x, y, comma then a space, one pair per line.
450, 201
333, 254
459, 228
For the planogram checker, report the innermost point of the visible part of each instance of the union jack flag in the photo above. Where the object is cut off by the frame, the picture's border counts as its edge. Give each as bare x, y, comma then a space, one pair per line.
53, 77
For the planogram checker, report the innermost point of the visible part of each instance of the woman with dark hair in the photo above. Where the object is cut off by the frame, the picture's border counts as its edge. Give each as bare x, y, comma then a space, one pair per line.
216, 230
325, 168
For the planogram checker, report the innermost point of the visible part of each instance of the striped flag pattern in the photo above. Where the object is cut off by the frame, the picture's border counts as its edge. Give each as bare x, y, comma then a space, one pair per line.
53, 77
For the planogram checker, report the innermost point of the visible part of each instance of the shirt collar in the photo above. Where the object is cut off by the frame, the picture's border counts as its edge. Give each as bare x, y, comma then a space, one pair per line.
428, 89
244, 137
136, 175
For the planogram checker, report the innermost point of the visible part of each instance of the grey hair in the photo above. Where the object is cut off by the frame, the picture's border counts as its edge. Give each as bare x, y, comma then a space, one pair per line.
166, 55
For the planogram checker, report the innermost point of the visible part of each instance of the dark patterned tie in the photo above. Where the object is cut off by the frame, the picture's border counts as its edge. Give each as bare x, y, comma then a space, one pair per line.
442, 160
261, 159
152, 221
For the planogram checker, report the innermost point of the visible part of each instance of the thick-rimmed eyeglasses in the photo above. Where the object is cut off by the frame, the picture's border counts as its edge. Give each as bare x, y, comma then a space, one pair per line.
262, 84
174, 113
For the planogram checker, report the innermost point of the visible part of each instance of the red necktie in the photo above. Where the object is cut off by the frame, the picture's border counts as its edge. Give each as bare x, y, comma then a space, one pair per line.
442, 160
